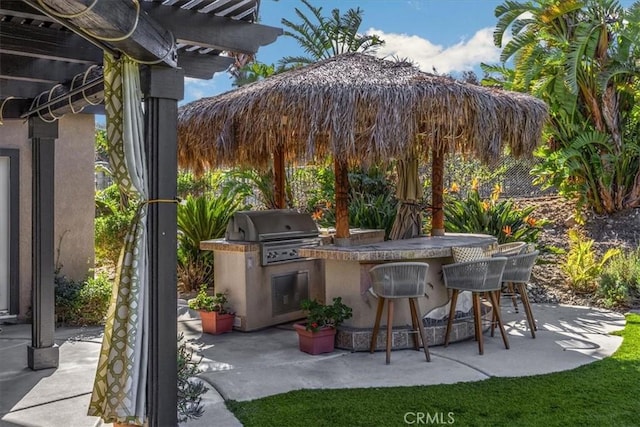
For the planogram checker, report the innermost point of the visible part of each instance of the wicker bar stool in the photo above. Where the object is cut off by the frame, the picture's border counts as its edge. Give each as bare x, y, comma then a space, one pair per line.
483, 276
396, 280
510, 249
517, 273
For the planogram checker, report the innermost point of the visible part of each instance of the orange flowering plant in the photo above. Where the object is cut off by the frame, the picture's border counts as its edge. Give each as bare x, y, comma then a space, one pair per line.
500, 218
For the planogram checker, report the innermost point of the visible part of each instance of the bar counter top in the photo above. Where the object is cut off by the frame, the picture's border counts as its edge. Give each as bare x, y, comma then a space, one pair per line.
391, 250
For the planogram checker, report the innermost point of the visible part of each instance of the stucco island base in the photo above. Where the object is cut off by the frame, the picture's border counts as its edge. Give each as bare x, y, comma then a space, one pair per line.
347, 276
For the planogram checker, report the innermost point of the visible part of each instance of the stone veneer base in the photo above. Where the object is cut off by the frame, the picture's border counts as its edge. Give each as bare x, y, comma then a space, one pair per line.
359, 339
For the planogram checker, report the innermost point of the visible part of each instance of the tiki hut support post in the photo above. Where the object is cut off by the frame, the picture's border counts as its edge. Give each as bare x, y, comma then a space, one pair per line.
408, 222
342, 197
278, 176
437, 189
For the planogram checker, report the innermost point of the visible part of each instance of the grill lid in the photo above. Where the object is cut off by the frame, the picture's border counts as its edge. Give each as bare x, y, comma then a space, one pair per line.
274, 224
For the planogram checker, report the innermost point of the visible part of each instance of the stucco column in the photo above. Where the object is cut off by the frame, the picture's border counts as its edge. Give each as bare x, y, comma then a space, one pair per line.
43, 352
162, 88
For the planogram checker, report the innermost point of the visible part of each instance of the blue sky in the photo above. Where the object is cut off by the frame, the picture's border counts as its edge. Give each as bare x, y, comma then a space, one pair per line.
450, 35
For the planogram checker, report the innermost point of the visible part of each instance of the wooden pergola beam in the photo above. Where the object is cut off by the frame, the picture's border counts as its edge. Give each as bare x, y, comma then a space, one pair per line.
108, 21
200, 66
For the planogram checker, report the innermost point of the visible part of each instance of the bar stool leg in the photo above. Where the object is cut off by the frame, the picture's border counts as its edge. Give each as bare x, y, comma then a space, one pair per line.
389, 329
496, 309
414, 311
376, 326
527, 308
477, 320
452, 313
414, 324
514, 298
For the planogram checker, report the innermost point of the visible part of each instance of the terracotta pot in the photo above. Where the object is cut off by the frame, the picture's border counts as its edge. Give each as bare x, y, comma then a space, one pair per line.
215, 323
314, 343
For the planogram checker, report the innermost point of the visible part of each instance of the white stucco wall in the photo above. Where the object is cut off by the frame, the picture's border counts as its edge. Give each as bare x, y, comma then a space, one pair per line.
74, 192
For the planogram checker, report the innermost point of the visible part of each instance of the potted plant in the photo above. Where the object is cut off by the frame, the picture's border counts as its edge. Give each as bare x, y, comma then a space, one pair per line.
317, 335
216, 317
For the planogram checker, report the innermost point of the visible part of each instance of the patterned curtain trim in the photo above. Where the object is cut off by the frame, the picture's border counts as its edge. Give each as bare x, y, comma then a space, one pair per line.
119, 391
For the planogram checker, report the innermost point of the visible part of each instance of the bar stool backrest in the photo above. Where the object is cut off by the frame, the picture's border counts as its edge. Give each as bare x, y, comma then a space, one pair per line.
477, 276
399, 279
518, 268
512, 248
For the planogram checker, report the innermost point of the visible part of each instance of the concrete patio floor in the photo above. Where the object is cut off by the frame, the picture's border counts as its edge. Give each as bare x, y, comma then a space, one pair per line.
251, 365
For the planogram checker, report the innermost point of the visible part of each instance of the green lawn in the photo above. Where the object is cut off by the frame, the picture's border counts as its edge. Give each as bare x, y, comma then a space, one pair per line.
603, 393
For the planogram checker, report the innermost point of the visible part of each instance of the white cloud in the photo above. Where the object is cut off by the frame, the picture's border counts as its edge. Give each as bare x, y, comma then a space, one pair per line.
196, 88
462, 56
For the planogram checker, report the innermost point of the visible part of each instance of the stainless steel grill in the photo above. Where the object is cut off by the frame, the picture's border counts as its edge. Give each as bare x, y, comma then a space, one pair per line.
280, 232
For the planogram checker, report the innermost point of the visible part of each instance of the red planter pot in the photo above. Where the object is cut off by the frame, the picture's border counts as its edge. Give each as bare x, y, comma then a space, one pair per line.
314, 343
215, 323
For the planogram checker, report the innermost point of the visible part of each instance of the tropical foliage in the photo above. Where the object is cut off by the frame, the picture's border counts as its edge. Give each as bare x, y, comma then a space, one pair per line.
201, 218
323, 37
580, 56
499, 218
582, 265
372, 203
114, 213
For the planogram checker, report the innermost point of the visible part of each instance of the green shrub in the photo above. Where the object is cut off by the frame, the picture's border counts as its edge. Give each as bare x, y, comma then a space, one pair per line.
189, 392
79, 303
581, 264
620, 280
110, 231
67, 301
499, 218
95, 296
114, 213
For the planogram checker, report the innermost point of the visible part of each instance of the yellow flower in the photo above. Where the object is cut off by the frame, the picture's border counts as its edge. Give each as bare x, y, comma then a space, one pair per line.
507, 230
485, 205
455, 188
475, 183
495, 194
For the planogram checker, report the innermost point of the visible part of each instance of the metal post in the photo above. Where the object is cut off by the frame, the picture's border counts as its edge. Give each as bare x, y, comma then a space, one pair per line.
162, 88
43, 352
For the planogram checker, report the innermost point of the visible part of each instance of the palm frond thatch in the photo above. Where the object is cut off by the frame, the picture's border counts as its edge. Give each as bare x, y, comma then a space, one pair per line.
357, 107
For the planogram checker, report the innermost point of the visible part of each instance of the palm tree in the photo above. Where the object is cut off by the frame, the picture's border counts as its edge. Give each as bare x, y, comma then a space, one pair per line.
327, 36
578, 55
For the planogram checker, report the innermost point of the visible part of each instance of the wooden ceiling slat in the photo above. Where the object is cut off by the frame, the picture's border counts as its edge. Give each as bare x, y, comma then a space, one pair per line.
22, 88
29, 68
192, 27
47, 43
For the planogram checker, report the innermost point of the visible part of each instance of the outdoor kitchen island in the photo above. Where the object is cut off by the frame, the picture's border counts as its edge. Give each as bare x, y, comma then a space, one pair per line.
347, 276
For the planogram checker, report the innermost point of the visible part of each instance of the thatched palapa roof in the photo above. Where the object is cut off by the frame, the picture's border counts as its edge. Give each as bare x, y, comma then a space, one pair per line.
357, 107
